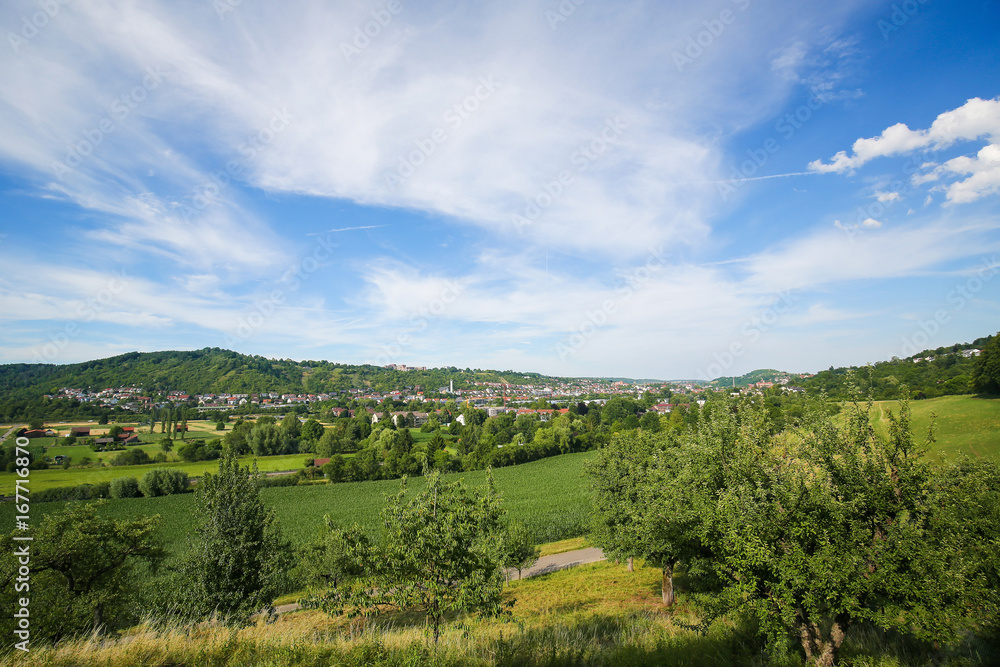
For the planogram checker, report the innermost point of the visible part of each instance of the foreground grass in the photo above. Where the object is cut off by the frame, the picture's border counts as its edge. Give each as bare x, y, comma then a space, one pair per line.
591, 615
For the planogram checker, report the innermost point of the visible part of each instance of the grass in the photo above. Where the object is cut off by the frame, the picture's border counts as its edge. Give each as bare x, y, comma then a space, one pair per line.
964, 425
592, 614
551, 497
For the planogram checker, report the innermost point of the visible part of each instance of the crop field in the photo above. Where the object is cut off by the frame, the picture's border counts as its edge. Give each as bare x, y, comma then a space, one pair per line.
57, 477
551, 497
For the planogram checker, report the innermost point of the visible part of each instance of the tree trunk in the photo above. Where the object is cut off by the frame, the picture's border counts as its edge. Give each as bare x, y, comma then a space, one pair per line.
630, 567
98, 617
820, 651
668, 585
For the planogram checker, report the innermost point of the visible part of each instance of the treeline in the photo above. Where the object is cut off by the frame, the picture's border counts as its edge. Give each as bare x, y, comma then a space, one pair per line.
939, 372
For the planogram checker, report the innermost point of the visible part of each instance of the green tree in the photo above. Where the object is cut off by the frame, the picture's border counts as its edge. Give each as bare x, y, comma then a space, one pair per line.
82, 571
439, 554
237, 561
517, 547
808, 535
312, 430
267, 440
332, 565
291, 426
986, 376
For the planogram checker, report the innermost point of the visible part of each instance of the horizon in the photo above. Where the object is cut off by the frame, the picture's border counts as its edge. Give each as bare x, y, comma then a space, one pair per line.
704, 191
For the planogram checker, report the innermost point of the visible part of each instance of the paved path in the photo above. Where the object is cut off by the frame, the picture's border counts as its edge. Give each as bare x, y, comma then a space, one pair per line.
545, 565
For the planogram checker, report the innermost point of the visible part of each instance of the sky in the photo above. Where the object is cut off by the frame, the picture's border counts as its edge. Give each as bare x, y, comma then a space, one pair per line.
578, 188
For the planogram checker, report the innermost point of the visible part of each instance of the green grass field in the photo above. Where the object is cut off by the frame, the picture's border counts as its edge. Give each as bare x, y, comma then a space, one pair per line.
57, 477
551, 496
964, 425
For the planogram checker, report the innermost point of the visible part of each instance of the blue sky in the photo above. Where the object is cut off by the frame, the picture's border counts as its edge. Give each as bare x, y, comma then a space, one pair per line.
644, 189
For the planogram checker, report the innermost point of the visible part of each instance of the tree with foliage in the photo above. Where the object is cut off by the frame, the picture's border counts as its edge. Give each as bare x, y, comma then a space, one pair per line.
267, 439
332, 565
517, 547
986, 376
237, 561
312, 430
291, 426
438, 554
82, 571
809, 534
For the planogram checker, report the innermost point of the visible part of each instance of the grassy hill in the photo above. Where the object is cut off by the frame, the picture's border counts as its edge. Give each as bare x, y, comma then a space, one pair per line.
963, 424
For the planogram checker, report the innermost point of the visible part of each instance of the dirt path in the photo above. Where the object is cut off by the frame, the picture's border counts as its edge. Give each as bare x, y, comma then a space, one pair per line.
545, 565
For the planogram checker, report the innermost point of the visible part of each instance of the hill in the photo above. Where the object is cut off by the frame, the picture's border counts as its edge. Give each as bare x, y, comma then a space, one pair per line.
214, 370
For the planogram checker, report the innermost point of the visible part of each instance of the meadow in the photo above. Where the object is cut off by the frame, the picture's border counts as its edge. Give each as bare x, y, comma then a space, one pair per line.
963, 425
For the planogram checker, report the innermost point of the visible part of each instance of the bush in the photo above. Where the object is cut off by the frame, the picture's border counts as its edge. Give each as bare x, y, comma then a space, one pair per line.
67, 493
280, 480
131, 457
161, 482
124, 487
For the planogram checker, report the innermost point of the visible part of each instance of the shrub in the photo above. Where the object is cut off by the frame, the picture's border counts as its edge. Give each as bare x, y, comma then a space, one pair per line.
161, 482
131, 457
67, 493
124, 487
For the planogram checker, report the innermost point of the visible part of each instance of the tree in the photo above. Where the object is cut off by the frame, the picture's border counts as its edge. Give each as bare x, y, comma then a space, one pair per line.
330, 566
312, 430
238, 560
82, 570
220, 426
439, 554
291, 426
517, 547
986, 376
115, 431
809, 534
267, 440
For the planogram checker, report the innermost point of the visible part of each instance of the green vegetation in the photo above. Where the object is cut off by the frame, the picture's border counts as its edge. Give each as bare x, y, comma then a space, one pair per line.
810, 533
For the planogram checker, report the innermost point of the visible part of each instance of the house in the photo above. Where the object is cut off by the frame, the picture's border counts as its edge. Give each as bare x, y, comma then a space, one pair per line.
80, 431
131, 440
320, 462
104, 441
128, 429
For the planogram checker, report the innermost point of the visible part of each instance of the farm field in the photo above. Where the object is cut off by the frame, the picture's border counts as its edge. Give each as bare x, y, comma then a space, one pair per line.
551, 497
57, 477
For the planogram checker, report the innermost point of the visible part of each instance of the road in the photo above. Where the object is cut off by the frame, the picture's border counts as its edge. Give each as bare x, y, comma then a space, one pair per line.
545, 565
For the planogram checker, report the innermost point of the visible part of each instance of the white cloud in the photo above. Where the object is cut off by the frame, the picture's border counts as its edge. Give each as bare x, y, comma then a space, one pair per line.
976, 119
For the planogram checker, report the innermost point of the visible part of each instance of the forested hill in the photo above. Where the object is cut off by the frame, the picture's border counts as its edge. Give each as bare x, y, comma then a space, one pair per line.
937, 372
213, 370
